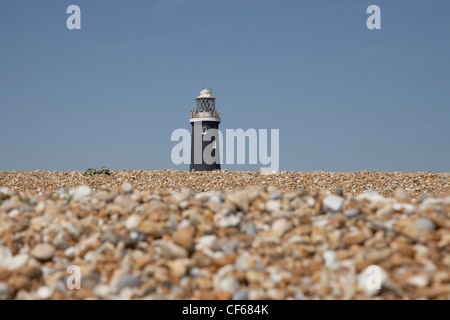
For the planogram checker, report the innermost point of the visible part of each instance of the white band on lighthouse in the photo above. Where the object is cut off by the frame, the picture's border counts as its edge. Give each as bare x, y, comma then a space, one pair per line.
204, 119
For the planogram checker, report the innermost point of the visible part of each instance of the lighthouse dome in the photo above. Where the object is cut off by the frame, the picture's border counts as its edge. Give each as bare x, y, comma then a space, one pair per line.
205, 94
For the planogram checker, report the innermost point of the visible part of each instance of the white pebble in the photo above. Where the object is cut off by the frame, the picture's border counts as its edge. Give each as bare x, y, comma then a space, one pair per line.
17, 261
44, 292
127, 187
330, 257
273, 205
70, 252
83, 193
132, 221
333, 203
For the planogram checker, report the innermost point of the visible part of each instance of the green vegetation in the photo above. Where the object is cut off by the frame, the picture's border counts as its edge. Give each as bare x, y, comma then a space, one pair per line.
106, 171
92, 171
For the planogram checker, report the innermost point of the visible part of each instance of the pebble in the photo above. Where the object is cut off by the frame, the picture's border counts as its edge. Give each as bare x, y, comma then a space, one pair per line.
275, 194
132, 221
44, 292
19, 282
352, 183
330, 257
273, 205
228, 284
354, 237
371, 195
240, 295
402, 195
31, 272
162, 239
200, 259
179, 267
408, 208
125, 202
421, 280
206, 242
229, 221
333, 203
185, 237
83, 193
43, 251
251, 228
114, 238
280, 226
351, 213
17, 261
4, 291
171, 250
128, 281
4, 274
103, 291
127, 188
424, 224
216, 198
241, 199
5, 255
70, 252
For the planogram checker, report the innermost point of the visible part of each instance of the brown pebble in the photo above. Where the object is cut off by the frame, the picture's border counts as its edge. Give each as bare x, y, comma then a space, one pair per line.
185, 237
356, 237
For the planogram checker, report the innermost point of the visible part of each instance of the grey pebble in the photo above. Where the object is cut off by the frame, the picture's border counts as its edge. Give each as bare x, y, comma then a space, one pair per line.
351, 213
424, 224
240, 295
128, 281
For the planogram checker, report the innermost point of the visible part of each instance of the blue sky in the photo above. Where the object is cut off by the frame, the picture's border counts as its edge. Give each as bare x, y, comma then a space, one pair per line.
344, 98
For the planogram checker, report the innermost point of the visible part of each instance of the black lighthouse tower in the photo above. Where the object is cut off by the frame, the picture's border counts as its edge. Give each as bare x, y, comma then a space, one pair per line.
205, 133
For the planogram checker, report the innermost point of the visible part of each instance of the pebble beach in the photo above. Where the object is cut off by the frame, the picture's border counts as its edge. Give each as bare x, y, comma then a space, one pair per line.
225, 235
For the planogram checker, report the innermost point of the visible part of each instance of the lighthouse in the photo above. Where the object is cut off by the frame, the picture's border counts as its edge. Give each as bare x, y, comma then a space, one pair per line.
205, 122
